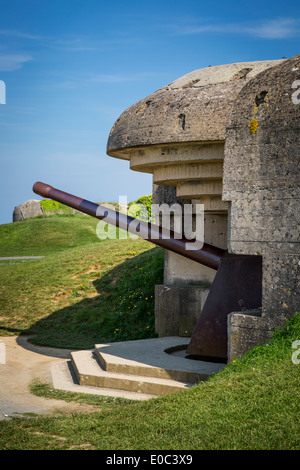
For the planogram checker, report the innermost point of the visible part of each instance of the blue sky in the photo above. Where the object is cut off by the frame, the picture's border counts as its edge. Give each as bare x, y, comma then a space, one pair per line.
71, 67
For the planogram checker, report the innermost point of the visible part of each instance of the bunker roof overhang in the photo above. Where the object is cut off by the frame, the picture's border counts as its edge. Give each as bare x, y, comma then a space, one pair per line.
191, 110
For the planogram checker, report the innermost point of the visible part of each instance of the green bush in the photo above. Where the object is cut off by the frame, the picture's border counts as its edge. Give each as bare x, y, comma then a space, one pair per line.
141, 208
50, 206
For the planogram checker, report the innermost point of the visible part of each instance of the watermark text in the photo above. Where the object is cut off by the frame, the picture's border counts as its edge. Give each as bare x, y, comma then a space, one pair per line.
2, 92
162, 221
296, 354
296, 94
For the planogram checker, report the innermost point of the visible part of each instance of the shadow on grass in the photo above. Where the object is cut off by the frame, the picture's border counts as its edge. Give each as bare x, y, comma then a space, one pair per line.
122, 310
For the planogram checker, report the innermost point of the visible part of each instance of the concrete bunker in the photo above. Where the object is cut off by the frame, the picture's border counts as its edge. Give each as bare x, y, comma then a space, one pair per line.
198, 137
228, 137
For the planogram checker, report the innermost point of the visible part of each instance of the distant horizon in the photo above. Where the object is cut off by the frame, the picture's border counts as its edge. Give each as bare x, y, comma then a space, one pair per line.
69, 70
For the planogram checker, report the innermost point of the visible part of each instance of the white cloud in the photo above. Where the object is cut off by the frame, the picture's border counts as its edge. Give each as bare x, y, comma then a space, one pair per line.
69, 44
280, 28
275, 29
11, 62
116, 78
18, 34
106, 78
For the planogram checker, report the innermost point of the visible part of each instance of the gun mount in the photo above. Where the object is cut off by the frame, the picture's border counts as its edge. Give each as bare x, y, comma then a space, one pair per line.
237, 285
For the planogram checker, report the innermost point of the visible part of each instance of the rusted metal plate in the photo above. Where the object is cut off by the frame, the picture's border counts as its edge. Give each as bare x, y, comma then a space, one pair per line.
237, 287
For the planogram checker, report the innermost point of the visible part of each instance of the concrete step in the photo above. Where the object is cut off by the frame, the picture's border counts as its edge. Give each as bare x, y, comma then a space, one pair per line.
89, 372
152, 367
155, 357
64, 378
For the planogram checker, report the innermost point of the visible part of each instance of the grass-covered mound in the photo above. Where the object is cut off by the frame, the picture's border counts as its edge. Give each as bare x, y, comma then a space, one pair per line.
84, 290
44, 235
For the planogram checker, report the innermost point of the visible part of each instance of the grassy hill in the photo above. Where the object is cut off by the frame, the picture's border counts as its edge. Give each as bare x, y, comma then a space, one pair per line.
85, 290
48, 234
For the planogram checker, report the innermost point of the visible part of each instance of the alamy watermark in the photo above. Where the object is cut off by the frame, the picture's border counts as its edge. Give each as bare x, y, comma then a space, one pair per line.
2, 92
296, 94
161, 221
295, 358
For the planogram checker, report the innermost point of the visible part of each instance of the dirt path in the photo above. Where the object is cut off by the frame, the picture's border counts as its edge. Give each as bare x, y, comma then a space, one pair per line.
21, 363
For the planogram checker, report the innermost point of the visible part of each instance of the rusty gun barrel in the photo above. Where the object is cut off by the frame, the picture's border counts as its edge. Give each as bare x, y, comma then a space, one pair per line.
208, 255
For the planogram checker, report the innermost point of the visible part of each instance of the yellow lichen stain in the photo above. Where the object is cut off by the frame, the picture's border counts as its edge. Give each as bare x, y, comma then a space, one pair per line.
255, 110
253, 126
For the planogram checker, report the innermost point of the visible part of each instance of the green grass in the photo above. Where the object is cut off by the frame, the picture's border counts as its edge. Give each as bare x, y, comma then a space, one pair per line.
97, 291
93, 292
102, 402
253, 404
44, 235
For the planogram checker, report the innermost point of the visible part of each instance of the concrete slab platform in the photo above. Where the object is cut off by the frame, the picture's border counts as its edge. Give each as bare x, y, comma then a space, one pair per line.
155, 357
89, 372
154, 367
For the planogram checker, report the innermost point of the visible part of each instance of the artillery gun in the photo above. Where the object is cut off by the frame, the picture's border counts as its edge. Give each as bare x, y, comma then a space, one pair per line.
237, 284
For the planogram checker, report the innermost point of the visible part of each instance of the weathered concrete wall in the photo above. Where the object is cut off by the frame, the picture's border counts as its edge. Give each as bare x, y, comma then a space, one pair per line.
261, 182
193, 108
177, 309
